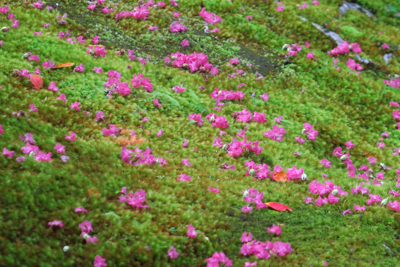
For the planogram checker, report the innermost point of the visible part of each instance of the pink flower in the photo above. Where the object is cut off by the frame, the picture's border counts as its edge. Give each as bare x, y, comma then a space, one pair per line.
315, 2
62, 97
99, 115
220, 122
308, 200
275, 229
186, 162
385, 46
185, 43
71, 137
172, 253
246, 238
95, 40
8, 153
99, 262
139, 80
19, 159
185, 143
156, 103
300, 140
98, 70
34, 57
196, 118
234, 61
80, 209
160, 132
332, 199
93, 240
372, 161
215, 190
347, 212
380, 176
373, 199
178, 89
56, 223
191, 231
353, 65
53, 87
153, 28
278, 119
33, 109
349, 145
385, 134
381, 145
396, 115
276, 133
394, 205
320, 201
326, 163
279, 7
79, 68
59, 148
209, 17
1, 130
75, 106
259, 117
247, 209
177, 27
92, 7
183, 177
310, 55
294, 173
358, 208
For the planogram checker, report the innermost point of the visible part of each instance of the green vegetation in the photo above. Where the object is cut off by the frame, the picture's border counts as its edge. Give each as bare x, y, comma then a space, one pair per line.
341, 105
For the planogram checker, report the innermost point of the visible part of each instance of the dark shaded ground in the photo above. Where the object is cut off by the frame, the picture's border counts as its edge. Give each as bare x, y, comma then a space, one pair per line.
158, 46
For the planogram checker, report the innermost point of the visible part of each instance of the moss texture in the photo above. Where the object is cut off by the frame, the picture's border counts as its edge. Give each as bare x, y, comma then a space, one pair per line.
342, 106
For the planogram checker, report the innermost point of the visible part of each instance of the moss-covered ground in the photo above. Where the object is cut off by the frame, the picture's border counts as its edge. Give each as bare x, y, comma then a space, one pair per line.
340, 104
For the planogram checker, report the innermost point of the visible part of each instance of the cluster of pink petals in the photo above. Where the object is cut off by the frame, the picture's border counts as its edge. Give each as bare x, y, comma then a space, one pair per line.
310, 131
191, 231
137, 13
237, 148
56, 223
193, 62
218, 121
183, 177
139, 80
246, 116
140, 157
253, 195
353, 65
276, 133
374, 199
114, 130
4, 9
275, 230
99, 262
394, 205
344, 48
294, 49
359, 188
260, 171
263, 250
134, 199
220, 95
321, 189
96, 50
218, 257
196, 118
395, 83
177, 27
326, 163
210, 17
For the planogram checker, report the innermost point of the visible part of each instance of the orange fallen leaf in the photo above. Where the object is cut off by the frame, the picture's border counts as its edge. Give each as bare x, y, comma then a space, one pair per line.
63, 65
37, 81
131, 140
280, 177
278, 206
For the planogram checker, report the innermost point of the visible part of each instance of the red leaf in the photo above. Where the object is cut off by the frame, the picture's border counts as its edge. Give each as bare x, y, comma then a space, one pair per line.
63, 65
37, 81
280, 177
278, 206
